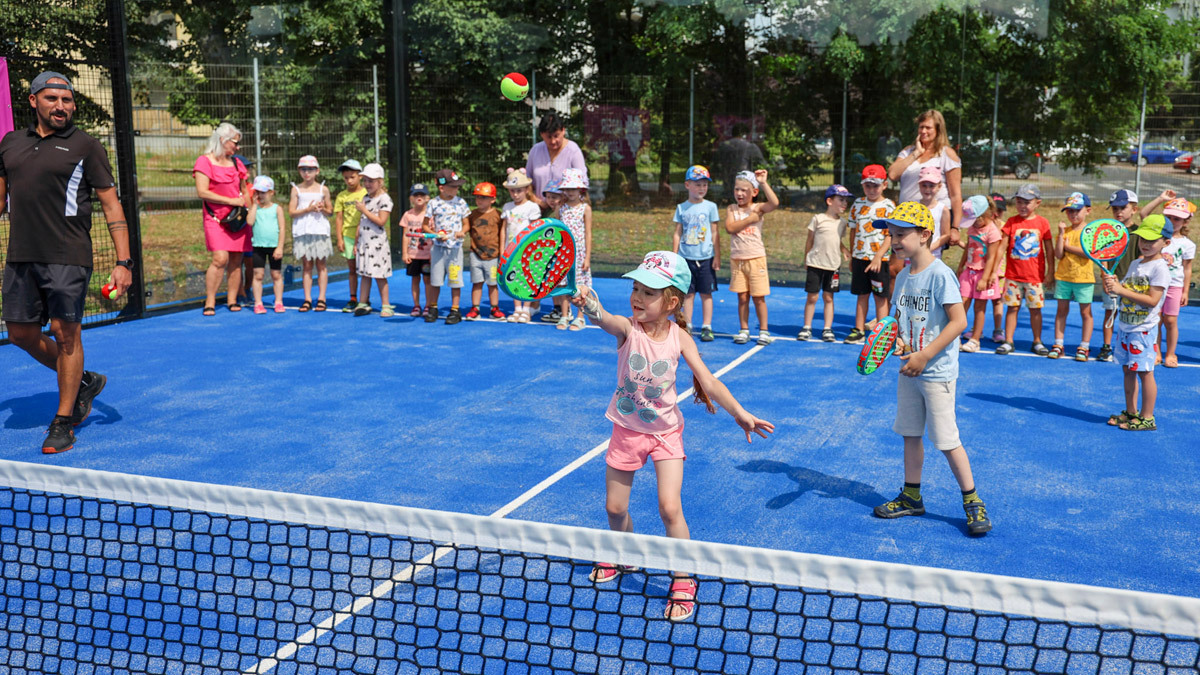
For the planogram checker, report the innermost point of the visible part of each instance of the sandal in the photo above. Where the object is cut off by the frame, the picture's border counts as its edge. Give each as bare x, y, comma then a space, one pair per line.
1124, 417
210, 310
320, 306
606, 572
1139, 423
683, 595
416, 311
305, 306
234, 307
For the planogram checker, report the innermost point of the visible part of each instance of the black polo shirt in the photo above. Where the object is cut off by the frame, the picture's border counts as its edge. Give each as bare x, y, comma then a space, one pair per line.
50, 182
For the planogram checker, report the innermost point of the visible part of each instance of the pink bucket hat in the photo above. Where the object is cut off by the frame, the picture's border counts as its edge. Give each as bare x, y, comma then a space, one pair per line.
930, 174
573, 178
660, 269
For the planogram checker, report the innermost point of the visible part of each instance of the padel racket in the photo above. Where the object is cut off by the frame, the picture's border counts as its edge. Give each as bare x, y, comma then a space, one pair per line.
534, 264
1104, 242
421, 235
879, 345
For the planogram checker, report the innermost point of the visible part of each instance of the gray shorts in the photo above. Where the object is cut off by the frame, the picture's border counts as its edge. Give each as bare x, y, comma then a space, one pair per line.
1110, 301
926, 406
484, 270
445, 263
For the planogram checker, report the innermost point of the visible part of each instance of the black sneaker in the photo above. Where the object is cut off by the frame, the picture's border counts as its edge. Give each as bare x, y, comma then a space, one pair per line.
553, 317
431, 314
1105, 353
856, 336
60, 437
87, 393
902, 505
828, 336
453, 316
350, 306
977, 518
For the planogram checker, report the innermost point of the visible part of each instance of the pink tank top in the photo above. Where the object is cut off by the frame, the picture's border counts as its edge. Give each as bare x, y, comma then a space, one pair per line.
645, 399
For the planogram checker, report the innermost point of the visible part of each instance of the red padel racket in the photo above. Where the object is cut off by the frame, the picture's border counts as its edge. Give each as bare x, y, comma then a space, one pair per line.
1104, 242
879, 345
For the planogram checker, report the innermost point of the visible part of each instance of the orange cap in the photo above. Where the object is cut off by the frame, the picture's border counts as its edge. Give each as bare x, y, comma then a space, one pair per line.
485, 190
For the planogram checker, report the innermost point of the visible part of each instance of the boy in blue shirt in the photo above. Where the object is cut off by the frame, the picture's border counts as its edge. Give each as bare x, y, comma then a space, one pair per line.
696, 241
929, 309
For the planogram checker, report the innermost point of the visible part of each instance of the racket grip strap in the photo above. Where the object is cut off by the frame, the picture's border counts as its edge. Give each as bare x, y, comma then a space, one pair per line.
591, 306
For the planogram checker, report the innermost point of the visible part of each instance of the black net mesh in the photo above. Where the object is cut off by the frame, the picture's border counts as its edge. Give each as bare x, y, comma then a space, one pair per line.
94, 585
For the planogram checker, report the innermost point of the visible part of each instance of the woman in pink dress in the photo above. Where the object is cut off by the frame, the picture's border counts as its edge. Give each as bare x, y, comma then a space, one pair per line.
221, 185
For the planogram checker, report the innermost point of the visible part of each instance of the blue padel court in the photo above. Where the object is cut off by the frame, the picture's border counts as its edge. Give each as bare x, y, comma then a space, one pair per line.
487, 418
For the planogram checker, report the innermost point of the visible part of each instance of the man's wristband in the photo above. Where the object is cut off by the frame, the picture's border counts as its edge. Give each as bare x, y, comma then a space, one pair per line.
126, 263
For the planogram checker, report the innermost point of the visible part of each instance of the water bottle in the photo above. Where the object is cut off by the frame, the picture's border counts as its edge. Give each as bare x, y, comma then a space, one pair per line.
833, 285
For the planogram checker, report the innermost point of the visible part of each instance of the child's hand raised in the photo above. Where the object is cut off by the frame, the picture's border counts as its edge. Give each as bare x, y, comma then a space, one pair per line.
581, 297
761, 176
1167, 195
751, 424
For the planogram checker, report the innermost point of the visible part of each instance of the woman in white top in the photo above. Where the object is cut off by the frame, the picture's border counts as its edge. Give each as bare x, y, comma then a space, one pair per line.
932, 148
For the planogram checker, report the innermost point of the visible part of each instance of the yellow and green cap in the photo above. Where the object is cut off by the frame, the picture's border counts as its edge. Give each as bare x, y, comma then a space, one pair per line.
1155, 226
908, 214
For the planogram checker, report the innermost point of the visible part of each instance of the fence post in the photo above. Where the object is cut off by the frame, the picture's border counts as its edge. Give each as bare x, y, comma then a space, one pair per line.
257, 122
396, 50
124, 146
533, 100
692, 118
1137, 171
995, 122
375, 95
845, 104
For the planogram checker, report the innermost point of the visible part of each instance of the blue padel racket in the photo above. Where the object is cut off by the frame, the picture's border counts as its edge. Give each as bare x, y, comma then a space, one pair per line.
879, 345
539, 261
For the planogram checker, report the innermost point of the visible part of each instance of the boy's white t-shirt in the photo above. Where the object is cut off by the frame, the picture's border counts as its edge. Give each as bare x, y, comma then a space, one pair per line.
518, 218
936, 211
828, 232
867, 239
1179, 250
1141, 277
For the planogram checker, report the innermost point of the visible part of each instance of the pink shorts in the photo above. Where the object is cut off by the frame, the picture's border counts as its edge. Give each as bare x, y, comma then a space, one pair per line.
628, 450
968, 281
1171, 304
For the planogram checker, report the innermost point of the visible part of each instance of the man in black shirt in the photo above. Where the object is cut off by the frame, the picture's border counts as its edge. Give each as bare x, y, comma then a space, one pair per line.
47, 173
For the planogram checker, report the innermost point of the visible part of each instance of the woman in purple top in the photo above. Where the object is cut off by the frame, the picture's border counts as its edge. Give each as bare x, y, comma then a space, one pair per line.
548, 158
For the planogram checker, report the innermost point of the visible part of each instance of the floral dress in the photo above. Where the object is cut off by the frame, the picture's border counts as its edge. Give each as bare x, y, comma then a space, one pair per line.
572, 217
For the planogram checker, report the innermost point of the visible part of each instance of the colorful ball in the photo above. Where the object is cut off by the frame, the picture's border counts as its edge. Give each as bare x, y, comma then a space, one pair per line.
514, 86
109, 291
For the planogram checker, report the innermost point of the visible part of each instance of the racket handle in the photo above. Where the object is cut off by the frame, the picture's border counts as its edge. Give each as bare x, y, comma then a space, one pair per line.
421, 235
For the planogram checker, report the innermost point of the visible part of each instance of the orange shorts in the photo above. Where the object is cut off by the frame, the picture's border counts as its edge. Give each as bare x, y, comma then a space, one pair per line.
628, 450
749, 275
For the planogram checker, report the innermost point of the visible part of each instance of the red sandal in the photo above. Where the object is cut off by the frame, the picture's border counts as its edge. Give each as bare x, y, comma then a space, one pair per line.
683, 594
606, 572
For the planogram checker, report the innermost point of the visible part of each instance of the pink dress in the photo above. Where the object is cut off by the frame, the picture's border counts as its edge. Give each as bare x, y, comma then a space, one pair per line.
226, 181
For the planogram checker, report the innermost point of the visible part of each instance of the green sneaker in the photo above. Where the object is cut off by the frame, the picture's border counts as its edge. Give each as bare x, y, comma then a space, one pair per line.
706, 335
902, 505
855, 337
977, 518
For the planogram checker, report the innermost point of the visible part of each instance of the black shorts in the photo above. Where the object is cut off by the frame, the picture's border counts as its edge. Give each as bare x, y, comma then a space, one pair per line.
264, 255
704, 279
819, 280
38, 292
418, 268
863, 282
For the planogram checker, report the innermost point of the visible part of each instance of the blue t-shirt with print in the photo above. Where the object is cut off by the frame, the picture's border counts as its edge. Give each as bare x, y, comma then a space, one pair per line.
696, 221
448, 216
920, 301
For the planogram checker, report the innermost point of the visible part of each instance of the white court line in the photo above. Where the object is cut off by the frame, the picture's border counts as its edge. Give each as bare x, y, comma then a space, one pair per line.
385, 588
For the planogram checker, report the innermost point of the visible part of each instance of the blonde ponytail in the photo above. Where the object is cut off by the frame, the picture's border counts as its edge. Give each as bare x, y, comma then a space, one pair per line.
698, 395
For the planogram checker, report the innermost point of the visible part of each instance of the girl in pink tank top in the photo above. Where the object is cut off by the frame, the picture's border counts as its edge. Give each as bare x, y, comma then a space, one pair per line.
647, 423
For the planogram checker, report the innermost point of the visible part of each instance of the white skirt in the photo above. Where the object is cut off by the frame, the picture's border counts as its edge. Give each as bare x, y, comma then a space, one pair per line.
312, 247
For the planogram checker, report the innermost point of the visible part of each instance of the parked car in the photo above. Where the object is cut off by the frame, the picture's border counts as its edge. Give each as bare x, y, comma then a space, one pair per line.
1187, 162
1114, 155
1155, 153
1010, 158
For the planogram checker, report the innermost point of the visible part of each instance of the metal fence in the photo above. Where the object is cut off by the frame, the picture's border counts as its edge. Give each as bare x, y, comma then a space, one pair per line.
283, 112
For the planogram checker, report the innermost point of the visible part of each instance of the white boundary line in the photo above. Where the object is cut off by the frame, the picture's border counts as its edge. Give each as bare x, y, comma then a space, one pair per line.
383, 589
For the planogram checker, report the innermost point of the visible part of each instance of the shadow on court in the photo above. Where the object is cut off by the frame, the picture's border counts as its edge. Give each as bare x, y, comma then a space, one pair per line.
36, 411
1038, 405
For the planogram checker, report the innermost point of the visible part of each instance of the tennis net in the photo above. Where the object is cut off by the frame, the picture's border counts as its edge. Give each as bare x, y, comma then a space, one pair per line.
107, 572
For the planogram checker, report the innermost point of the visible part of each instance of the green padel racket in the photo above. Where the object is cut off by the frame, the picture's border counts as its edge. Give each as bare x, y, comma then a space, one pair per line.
879, 345
1104, 242
536, 263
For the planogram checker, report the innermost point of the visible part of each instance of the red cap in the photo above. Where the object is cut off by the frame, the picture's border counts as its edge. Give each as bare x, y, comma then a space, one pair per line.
485, 190
875, 172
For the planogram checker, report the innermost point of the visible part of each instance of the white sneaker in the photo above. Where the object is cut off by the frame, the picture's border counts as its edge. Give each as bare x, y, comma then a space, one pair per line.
764, 338
970, 346
742, 337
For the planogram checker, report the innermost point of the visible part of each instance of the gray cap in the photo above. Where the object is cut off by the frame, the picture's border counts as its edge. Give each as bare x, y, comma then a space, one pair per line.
43, 82
1029, 191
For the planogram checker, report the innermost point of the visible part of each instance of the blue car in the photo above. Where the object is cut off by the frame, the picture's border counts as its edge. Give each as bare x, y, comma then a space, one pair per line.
1155, 153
